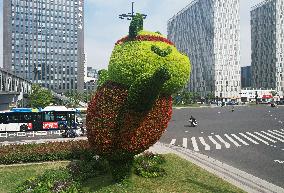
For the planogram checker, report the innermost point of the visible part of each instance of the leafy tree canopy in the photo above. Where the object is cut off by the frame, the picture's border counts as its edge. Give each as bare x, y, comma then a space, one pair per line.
40, 97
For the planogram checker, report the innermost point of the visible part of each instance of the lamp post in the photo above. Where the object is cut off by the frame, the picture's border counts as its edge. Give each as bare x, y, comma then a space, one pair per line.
129, 16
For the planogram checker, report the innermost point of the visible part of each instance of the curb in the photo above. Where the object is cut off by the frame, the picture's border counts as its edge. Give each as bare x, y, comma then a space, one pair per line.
241, 179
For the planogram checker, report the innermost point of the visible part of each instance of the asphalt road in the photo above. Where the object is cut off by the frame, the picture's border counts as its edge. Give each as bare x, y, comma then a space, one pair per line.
250, 138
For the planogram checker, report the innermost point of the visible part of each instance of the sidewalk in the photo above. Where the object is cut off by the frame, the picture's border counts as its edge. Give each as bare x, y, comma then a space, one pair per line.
243, 180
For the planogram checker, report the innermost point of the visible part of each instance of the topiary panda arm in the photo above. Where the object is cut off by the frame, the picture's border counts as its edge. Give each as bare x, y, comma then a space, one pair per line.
145, 90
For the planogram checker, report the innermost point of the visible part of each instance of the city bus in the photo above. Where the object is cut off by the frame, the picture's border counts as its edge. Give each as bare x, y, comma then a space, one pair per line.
26, 119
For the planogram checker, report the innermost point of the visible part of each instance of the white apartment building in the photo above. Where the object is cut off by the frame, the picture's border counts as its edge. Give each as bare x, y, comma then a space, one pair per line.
267, 37
208, 31
263, 95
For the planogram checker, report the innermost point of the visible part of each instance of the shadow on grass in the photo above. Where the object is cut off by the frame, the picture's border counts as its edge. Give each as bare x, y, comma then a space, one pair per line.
98, 182
208, 187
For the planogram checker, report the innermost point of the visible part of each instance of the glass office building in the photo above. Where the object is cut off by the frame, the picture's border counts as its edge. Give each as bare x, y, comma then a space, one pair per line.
43, 41
208, 31
267, 45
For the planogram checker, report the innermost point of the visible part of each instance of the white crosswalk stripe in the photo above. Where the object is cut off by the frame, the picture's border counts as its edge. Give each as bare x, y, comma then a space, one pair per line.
240, 140
232, 140
227, 145
275, 133
207, 147
218, 146
265, 142
194, 144
267, 137
173, 142
273, 141
248, 138
184, 142
279, 139
279, 132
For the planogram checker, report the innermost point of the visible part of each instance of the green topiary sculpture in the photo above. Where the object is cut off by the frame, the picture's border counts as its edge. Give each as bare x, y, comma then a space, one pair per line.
132, 107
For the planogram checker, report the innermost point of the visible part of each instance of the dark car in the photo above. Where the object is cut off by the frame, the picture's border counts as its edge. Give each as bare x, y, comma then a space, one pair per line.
232, 103
280, 102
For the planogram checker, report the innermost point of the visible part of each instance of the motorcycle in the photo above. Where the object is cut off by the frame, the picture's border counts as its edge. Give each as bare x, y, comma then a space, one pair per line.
69, 133
193, 122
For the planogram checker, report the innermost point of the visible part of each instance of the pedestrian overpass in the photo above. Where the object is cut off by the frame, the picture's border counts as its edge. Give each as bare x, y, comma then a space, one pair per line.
12, 88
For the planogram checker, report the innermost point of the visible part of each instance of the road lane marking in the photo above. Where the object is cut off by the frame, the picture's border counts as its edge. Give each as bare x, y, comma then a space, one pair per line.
5, 135
12, 134
265, 142
207, 147
227, 145
184, 142
276, 133
173, 142
279, 161
273, 141
242, 141
194, 143
232, 140
273, 136
279, 132
218, 146
248, 138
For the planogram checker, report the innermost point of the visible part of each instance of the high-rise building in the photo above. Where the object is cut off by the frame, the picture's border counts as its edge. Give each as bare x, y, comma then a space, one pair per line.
246, 76
267, 45
43, 41
208, 31
92, 72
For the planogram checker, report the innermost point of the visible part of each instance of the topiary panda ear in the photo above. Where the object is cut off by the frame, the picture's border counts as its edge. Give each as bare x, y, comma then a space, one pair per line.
136, 25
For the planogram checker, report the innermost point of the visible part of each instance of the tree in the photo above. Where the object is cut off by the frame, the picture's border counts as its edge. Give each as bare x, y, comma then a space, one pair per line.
273, 93
74, 98
40, 97
210, 97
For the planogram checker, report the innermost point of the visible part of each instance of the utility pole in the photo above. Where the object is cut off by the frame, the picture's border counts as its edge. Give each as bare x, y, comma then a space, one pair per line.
129, 16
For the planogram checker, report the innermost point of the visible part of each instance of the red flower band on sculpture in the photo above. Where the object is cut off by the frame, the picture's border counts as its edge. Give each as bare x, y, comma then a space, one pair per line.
145, 38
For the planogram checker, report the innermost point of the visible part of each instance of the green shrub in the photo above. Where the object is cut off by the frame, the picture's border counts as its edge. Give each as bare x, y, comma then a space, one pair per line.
59, 180
149, 165
52, 151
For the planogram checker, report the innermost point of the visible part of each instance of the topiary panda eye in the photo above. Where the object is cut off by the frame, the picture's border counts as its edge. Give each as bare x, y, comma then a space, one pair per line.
161, 52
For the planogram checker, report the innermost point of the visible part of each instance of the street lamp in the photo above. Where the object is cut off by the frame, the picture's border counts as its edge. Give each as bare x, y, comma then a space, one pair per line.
129, 16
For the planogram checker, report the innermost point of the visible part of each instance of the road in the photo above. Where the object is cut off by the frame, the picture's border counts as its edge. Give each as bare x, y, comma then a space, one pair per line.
250, 138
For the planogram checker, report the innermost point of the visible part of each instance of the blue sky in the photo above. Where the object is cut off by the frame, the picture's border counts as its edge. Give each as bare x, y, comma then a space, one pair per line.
103, 27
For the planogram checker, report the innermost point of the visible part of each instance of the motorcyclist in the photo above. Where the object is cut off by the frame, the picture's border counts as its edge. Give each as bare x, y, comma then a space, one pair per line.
193, 121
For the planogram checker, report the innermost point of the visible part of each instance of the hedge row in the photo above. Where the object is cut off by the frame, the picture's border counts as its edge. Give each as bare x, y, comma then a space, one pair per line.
52, 151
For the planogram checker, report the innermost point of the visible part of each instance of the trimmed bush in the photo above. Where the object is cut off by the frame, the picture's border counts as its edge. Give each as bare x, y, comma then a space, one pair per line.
131, 110
52, 151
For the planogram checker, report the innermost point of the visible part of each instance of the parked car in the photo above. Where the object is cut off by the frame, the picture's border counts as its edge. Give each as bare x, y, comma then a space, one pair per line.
232, 103
280, 102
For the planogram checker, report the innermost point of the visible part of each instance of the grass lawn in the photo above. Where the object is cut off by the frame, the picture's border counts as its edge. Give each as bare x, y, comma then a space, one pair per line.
182, 177
12, 176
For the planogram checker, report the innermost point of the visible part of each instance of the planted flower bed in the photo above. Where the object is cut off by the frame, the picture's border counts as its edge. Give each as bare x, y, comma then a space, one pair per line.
52, 151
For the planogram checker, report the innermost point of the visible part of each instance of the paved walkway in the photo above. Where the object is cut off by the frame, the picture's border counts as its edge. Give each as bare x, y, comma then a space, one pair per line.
243, 180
